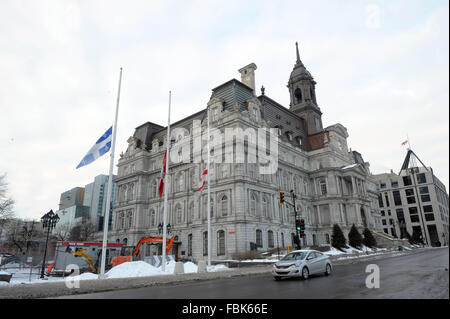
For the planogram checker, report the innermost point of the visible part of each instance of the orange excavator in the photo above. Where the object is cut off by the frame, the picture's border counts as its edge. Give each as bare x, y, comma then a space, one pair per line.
153, 240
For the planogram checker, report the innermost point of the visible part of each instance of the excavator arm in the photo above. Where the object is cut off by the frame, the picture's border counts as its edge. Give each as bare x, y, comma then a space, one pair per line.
82, 253
153, 239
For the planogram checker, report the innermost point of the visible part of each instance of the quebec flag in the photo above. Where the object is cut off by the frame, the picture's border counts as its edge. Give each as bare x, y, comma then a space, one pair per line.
101, 147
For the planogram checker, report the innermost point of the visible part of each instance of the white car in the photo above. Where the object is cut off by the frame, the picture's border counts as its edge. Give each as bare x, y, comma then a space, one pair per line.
302, 263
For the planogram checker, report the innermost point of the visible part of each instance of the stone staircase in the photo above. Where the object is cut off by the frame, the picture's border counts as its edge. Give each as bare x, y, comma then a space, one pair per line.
387, 241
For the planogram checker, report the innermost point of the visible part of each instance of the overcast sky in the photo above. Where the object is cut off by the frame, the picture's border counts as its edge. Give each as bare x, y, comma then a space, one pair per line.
381, 69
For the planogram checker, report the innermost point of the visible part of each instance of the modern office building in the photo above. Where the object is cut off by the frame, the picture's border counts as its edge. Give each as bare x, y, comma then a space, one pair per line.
88, 203
333, 184
414, 200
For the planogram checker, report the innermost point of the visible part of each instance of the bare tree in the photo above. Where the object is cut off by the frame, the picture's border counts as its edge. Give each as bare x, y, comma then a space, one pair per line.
62, 232
23, 236
6, 203
83, 231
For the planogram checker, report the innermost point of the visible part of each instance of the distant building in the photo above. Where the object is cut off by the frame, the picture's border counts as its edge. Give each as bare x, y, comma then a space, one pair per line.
414, 200
86, 204
95, 198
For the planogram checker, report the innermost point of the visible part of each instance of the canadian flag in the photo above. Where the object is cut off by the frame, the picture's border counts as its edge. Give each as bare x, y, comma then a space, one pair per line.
163, 175
202, 184
405, 142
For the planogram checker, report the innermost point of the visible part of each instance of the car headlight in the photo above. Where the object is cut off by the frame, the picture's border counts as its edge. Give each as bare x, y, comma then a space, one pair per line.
274, 266
293, 266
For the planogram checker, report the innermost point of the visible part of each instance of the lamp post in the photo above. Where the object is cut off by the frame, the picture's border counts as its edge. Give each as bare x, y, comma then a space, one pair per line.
49, 221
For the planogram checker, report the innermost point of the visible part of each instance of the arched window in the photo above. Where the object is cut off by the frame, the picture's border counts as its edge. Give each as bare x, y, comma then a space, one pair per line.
125, 241
259, 241
122, 220
224, 205
220, 243
298, 95
327, 238
253, 204
270, 239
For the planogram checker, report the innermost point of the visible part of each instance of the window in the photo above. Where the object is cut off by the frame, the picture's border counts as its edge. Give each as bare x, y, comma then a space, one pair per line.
215, 114
421, 179
191, 211
382, 185
220, 243
327, 238
380, 200
382, 213
259, 242
387, 199
407, 180
384, 221
410, 198
425, 198
179, 214
298, 95
397, 198
154, 189
205, 243
253, 204
424, 190
264, 206
224, 205
323, 186
413, 214
270, 239
190, 245
428, 209
394, 184
429, 217
152, 218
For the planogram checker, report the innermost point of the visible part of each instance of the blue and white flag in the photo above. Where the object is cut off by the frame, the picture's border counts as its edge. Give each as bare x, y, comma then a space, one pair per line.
101, 147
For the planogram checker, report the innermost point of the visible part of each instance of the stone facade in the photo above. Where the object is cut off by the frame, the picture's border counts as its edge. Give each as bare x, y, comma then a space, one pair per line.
332, 183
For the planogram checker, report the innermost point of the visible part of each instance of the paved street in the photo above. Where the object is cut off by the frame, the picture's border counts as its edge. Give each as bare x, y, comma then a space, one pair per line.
420, 275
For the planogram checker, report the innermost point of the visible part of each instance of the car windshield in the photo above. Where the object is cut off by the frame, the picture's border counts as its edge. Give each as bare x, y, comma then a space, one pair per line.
295, 256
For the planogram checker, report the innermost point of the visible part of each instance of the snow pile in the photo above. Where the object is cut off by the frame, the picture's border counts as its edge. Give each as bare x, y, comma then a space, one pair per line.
133, 269
4, 273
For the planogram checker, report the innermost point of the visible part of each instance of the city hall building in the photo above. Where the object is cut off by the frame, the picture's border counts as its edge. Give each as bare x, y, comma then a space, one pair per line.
333, 184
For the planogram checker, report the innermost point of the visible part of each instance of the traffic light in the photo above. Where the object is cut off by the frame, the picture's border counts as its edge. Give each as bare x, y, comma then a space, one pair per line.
281, 197
298, 225
302, 228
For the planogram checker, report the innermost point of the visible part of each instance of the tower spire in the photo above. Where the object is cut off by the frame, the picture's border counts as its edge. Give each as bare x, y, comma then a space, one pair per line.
298, 54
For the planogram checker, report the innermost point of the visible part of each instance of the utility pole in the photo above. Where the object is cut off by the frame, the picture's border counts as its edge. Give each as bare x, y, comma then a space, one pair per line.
297, 235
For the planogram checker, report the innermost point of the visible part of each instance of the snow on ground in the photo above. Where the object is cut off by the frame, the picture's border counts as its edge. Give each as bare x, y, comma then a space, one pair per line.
125, 270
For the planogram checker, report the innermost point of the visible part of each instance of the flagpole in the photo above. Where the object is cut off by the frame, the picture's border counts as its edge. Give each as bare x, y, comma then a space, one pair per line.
209, 196
108, 198
165, 188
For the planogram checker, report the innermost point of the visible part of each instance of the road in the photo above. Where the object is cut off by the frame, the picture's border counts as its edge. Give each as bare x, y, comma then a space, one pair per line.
420, 275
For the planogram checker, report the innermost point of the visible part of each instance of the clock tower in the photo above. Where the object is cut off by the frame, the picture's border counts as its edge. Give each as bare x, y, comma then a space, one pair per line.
303, 96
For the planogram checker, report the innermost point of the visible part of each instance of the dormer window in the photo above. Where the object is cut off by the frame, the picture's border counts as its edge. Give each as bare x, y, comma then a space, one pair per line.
255, 114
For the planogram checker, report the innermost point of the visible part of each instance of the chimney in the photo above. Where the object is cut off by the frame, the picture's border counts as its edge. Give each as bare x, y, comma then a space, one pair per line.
248, 75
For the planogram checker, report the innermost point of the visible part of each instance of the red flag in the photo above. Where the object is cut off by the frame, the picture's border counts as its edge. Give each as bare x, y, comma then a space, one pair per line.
405, 142
205, 172
163, 175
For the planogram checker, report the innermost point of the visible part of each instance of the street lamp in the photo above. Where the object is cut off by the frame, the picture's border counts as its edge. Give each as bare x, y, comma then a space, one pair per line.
49, 221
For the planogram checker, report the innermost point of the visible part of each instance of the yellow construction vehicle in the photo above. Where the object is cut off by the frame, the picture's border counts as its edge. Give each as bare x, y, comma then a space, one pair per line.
81, 252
